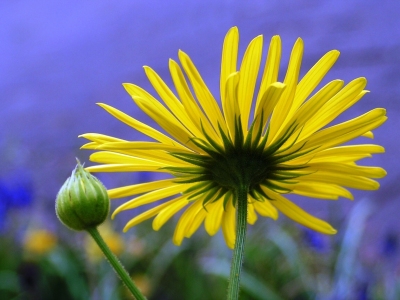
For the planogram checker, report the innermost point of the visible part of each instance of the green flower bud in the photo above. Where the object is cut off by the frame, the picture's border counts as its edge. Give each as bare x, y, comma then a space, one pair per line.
82, 201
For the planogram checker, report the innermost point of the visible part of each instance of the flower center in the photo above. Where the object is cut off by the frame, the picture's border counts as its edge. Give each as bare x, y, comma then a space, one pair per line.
239, 168
245, 163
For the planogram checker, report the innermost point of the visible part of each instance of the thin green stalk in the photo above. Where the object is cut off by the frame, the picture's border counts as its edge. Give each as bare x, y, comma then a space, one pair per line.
116, 264
238, 251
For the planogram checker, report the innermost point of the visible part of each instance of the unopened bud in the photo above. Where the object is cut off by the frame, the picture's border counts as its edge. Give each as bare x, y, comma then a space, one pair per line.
82, 201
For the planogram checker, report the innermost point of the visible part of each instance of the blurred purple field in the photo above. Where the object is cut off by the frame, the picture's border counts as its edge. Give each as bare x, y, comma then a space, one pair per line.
58, 59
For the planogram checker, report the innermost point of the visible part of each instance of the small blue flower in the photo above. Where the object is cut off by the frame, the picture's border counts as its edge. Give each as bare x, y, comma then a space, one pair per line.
390, 245
5, 199
362, 292
3, 208
15, 192
314, 240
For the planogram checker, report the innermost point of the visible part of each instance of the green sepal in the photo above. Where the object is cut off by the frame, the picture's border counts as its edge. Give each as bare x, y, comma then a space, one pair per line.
284, 158
209, 196
228, 145
194, 159
196, 187
261, 146
238, 143
226, 198
210, 185
276, 188
291, 145
260, 191
217, 147
184, 170
247, 142
259, 122
221, 192
208, 150
204, 177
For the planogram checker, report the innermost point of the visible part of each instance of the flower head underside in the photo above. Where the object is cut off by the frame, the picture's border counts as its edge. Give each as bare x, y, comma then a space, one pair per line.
270, 142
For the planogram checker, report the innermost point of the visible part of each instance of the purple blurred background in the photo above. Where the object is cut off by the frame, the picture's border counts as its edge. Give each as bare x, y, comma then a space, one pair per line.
57, 59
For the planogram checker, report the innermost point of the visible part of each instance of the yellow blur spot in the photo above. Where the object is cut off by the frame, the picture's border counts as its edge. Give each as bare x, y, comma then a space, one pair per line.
39, 242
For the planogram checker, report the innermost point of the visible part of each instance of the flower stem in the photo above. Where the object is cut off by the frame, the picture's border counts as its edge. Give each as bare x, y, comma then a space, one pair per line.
115, 263
238, 251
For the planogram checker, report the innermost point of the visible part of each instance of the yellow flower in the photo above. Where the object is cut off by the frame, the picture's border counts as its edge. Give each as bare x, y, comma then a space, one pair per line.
143, 283
276, 144
39, 241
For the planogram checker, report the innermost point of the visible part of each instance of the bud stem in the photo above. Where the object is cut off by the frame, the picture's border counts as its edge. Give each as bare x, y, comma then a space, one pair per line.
115, 263
238, 251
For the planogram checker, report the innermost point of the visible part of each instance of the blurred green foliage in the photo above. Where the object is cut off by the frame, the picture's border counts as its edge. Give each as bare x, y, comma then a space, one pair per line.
281, 262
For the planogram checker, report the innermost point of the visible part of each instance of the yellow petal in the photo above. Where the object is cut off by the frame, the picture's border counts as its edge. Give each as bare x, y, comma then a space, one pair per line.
341, 154
168, 212
352, 181
155, 155
251, 214
106, 157
231, 106
185, 220
171, 101
139, 126
311, 107
320, 190
282, 109
248, 77
159, 114
100, 138
195, 224
299, 113
148, 214
298, 215
140, 188
369, 135
313, 77
268, 101
150, 167
266, 209
204, 96
347, 169
214, 217
229, 225
142, 146
189, 103
228, 61
90, 146
348, 96
346, 131
353, 150
271, 69
152, 197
